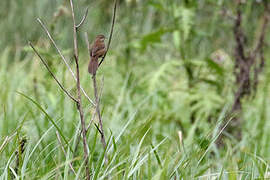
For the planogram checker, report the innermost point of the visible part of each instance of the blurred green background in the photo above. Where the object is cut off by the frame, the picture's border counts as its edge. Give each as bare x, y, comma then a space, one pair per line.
169, 70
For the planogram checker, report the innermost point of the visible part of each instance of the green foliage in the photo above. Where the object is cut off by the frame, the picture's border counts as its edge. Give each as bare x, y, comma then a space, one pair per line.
168, 83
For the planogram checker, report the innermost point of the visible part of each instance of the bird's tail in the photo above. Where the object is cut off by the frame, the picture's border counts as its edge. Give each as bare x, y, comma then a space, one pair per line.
93, 65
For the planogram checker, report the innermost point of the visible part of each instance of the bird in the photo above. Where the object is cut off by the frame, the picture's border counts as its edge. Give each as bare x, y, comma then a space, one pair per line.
97, 51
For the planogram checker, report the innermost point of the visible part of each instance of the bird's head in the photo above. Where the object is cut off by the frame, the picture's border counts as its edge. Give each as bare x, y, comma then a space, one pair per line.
100, 37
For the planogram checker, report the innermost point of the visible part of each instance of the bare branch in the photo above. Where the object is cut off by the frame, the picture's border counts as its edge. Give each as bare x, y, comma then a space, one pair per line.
63, 149
54, 77
91, 121
75, 42
99, 97
83, 19
63, 58
56, 47
79, 104
98, 111
111, 33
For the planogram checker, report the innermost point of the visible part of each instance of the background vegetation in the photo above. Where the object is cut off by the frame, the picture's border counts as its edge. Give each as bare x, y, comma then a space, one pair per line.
168, 82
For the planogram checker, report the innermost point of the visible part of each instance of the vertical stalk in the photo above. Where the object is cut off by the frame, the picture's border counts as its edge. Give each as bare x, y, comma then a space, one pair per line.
79, 102
98, 111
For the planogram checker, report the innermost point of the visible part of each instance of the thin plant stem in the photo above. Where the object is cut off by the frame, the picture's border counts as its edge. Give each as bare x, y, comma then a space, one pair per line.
90, 123
100, 129
79, 104
83, 19
111, 32
98, 111
63, 58
51, 73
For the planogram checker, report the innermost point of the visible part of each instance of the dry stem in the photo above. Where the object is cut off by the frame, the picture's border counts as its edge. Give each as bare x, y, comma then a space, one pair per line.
51, 73
63, 58
83, 19
79, 104
111, 32
98, 112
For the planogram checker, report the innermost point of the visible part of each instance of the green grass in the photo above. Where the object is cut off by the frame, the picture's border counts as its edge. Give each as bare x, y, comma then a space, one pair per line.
157, 81
142, 133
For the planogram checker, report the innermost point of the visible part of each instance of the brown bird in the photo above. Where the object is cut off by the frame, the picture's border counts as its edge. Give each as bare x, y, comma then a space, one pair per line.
98, 50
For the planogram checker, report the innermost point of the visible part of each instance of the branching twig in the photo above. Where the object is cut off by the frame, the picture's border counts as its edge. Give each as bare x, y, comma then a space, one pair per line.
54, 77
90, 123
79, 104
63, 149
63, 58
83, 19
111, 32
95, 82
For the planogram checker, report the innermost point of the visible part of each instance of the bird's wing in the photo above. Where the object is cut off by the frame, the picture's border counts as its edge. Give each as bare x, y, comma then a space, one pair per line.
100, 52
96, 48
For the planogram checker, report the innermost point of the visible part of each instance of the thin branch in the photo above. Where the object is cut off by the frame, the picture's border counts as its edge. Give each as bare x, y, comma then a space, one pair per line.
83, 19
54, 77
98, 111
99, 130
111, 33
79, 104
63, 149
75, 42
63, 58
99, 97
90, 123
80, 133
